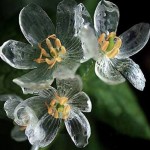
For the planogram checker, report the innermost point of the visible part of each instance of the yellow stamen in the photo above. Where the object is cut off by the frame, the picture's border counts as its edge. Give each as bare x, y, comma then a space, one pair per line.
53, 36
58, 59
56, 114
63, 50
57, 43
110, 44
118, 43
105, 45
22, 128
63, 100
56, 52
48, 43
113, 53
101, 38
67, 109
53, 102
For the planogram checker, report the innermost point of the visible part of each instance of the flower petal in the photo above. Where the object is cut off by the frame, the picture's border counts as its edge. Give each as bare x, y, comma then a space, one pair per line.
36, 79
106, 17
134, 39
130, 70
69, 87
17, 134
65, 31
45, 131
67, 68
24, 115
65, 20
34, 147
35, 24
85, 32
18, 55
105, 70
11, 103
37, 104
81, 101
78, 128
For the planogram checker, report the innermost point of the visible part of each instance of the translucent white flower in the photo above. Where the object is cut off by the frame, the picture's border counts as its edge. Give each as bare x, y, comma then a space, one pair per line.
111, 52
52, 53
51, 107
18, 132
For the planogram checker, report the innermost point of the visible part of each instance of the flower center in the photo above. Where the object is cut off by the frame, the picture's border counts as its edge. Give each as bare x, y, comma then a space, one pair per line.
110, 44
59, 108
55, 52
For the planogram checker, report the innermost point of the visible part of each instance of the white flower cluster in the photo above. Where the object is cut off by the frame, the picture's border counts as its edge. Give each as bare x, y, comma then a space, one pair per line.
56, 54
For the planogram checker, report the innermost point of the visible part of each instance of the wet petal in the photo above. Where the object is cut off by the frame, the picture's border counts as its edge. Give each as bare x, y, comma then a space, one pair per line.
66, 69
81, 101
11, 103
65, 20
69, 87
17, 134
35, 24
18, 55
131, 71
107, 72
47, 93
34, 147
36, 79
78, 128
134, 39
24, 115
81, 18
85, 32
106, 17
45, 131
36, 103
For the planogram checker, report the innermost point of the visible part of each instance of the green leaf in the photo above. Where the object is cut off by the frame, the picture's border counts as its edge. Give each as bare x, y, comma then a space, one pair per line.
91, 5
115, 105
7, 74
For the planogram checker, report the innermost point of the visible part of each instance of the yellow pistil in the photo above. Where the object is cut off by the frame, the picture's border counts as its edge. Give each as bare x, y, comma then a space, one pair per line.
110, 44
58, 107
55, 52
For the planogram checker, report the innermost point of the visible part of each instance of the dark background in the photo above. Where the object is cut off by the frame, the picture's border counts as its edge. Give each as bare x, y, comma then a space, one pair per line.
131, 13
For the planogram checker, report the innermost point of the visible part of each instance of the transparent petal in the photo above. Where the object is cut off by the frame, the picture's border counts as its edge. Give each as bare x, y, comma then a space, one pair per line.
89, 43
106, 17
105, 70
34, 147
69, 87
66, 69
37, 103
24, 115
35, 24
81, 18
11, 103
47, 93
36, 79
78, 128
17, 134
81, 101
134, 39
18, 55
45, 131
131, 71
65, 20
65, 30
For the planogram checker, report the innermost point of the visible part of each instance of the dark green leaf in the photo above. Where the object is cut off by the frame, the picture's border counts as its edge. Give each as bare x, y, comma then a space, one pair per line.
115, 105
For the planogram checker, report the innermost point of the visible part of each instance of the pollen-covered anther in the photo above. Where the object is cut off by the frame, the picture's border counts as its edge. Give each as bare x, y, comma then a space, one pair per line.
110, 44
58, 107
55, 48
